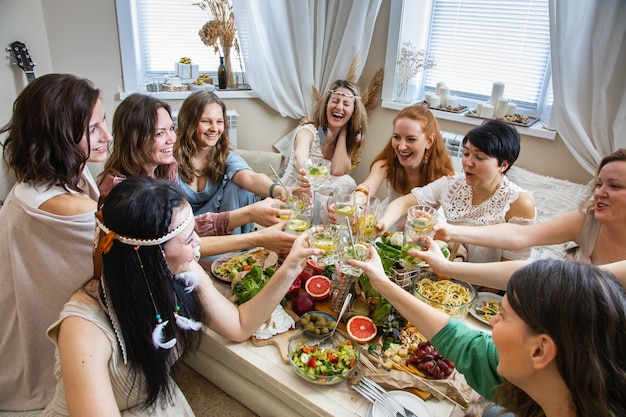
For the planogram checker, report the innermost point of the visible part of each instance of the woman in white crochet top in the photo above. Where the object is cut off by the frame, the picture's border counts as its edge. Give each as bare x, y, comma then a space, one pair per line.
481, 195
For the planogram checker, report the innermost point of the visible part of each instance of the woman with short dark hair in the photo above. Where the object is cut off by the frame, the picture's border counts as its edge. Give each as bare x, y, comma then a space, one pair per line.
482, 194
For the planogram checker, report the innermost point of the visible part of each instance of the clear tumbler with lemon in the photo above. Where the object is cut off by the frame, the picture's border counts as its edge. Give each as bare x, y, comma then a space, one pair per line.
419, 222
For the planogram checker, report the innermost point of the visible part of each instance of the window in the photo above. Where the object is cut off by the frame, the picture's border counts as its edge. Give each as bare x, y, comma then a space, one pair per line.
475, 43
155, 34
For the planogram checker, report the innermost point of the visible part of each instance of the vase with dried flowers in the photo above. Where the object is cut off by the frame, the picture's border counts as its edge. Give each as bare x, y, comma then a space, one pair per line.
220, 32
410, 63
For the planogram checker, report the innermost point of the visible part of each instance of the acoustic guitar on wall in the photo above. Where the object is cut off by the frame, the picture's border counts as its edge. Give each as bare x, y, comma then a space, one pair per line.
23, 59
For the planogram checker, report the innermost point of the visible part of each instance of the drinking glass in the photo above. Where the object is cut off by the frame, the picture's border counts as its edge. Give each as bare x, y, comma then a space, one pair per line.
342, 203
419, 222
325, 237
360, 252
317, 171
281, 205
300, 216
366, 216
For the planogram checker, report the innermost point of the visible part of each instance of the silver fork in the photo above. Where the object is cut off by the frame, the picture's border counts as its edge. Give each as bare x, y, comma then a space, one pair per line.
386, 408
382, 392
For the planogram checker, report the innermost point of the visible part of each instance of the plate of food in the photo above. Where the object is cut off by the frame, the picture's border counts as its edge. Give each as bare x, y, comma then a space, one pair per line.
487, 306
227, 266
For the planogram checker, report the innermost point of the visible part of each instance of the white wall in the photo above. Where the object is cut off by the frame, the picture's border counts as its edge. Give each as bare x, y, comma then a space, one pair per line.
80, 36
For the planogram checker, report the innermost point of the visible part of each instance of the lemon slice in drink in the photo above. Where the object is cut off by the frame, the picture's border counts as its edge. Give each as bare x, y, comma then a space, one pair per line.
298, 225
344, 209
359, 248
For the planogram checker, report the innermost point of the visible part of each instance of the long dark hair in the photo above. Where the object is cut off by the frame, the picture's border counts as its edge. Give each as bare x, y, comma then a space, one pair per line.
142, 207
438, 164
583, 309
134, 126
50, 117
188, 118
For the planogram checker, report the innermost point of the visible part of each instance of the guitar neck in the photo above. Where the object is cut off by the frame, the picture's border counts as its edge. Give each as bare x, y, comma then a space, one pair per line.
30, 75
23, 59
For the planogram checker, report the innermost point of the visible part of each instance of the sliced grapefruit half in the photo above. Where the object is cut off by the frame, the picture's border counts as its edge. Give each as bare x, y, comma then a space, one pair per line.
311, 264
361, 329
318, 287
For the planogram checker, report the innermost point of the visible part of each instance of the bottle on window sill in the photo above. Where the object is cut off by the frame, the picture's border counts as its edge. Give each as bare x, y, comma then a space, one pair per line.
221, 74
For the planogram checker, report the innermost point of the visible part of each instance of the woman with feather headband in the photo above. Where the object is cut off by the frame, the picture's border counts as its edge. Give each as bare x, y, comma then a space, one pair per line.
119, 335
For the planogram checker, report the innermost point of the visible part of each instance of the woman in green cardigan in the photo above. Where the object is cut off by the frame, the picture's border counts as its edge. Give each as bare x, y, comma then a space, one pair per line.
557, 345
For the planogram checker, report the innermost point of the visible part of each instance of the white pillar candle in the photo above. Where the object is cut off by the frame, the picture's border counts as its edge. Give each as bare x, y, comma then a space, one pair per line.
435, 101
511, 108
452, 101
427, 97
487, 111
444, 93
497, 91
439, 85
479, 109
501, 107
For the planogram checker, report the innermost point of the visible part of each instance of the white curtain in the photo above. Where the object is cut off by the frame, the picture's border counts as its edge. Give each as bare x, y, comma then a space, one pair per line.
290, 45
588, 47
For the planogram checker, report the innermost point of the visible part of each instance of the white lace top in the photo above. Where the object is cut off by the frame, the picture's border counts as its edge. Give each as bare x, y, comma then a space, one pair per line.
454, 196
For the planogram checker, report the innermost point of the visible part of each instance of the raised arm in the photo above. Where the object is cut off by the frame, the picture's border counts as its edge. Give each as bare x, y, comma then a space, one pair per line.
374, 180
238, 323
396, 209
492, 274
564, 228
301, 148
273, 238
259, 184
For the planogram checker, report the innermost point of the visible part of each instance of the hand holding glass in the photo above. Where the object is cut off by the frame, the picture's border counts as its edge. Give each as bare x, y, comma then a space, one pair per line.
326, 238
317, 171
419, 222
342, 204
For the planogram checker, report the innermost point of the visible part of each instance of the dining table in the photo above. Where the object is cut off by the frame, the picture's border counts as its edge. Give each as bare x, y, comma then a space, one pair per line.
257, 376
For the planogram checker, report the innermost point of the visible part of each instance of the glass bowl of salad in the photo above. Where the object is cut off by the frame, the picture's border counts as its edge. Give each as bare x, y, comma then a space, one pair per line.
325, 363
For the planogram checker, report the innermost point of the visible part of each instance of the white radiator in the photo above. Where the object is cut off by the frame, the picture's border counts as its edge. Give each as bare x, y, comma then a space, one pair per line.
455, 150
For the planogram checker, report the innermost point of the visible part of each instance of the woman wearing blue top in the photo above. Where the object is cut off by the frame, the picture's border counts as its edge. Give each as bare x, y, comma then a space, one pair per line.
557, 345
214, 178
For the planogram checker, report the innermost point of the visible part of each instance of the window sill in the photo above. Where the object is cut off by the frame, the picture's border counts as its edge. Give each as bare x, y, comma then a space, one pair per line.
536, 130
181, 95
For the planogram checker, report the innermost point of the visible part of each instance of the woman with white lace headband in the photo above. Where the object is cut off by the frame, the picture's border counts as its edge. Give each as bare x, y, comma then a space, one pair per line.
119, 335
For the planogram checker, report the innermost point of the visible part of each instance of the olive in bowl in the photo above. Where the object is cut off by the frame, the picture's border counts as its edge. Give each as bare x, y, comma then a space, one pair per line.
317, 323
